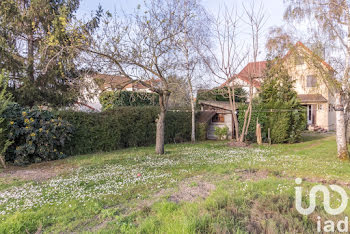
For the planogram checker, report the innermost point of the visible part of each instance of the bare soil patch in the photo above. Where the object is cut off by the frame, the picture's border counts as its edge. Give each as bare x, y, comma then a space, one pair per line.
238, 144
192, 189
253, 175
37, 172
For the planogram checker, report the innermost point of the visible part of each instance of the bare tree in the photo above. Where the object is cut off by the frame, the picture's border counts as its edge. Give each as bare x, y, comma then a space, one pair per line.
255, 20
196, 27
331, 19
142, 47
231, 55
224, 60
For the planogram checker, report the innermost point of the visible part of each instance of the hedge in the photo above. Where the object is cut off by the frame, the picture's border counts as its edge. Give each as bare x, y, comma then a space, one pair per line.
111, 99
122, 127
285, 124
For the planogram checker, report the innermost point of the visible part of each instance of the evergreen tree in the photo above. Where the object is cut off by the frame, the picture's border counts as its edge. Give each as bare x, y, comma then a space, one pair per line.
278, 87
39, 43
287, 119
5, 98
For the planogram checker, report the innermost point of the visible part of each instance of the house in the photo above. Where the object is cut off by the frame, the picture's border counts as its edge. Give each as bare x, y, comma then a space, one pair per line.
313, 89
252, 72
95, 84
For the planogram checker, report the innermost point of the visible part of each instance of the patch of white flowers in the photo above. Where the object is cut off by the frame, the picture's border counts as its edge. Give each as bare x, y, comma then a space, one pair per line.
83, 184
111, 179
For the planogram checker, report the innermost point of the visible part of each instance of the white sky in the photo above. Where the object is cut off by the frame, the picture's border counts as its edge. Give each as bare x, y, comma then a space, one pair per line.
274, 10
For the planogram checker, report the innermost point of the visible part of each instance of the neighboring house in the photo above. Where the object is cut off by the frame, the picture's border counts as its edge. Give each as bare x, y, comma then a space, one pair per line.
94, 85
312, 89
252, 72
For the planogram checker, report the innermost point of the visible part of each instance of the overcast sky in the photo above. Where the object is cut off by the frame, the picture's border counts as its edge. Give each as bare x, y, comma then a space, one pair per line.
274, 10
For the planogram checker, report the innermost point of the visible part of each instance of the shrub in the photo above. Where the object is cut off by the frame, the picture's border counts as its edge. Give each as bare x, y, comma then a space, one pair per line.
287, 116
221, 94
221, 132
37, 135
123, 127
201, 131
5, 98
285, 124
257, 114
111, 99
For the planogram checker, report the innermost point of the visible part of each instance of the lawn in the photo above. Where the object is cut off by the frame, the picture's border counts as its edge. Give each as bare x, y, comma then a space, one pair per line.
204, 187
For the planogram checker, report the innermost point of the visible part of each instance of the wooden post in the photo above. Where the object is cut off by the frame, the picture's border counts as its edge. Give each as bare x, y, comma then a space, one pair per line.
268, 136
258, 133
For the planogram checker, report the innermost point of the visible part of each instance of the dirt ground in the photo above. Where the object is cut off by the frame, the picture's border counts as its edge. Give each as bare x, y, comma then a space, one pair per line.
191, 189
37, 172
253, 175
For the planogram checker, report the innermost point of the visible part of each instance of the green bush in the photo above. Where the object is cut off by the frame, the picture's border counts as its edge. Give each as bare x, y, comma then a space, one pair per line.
221, 133
257, 114
221, 94
278, 107
285, 123
123, 127
37, 135
111, 99
201, 131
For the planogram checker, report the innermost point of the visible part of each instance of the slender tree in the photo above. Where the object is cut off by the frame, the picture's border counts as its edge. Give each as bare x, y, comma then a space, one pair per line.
230, 55
226, 57
255, 20
196, 27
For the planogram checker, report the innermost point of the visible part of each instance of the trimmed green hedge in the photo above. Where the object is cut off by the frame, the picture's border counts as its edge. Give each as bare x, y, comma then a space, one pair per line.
122, 127
285, 126
111, 99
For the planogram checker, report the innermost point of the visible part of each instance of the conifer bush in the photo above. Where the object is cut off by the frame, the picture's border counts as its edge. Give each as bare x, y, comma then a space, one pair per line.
287, 118
277, 108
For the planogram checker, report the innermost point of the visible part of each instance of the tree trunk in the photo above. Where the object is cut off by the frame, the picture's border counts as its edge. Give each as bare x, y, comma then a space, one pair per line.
2, 161
30, 65
193, 133
246, 115
342, 146
160, 132
163, 103
258, 133
235, 128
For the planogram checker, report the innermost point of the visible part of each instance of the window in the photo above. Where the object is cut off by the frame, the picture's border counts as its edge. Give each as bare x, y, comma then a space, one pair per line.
311, 81
299, 60
330, 107
218, 118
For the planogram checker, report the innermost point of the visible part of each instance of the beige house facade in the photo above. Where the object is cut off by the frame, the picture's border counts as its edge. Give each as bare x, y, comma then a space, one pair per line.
313, 78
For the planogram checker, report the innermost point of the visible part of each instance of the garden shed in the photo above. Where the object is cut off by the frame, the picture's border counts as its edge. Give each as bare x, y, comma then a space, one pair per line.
215, 114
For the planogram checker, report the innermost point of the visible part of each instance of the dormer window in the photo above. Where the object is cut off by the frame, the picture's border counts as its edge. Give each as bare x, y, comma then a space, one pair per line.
311, 81
299, 60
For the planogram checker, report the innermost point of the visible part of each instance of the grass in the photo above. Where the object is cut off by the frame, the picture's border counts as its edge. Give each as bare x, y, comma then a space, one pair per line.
128, 191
